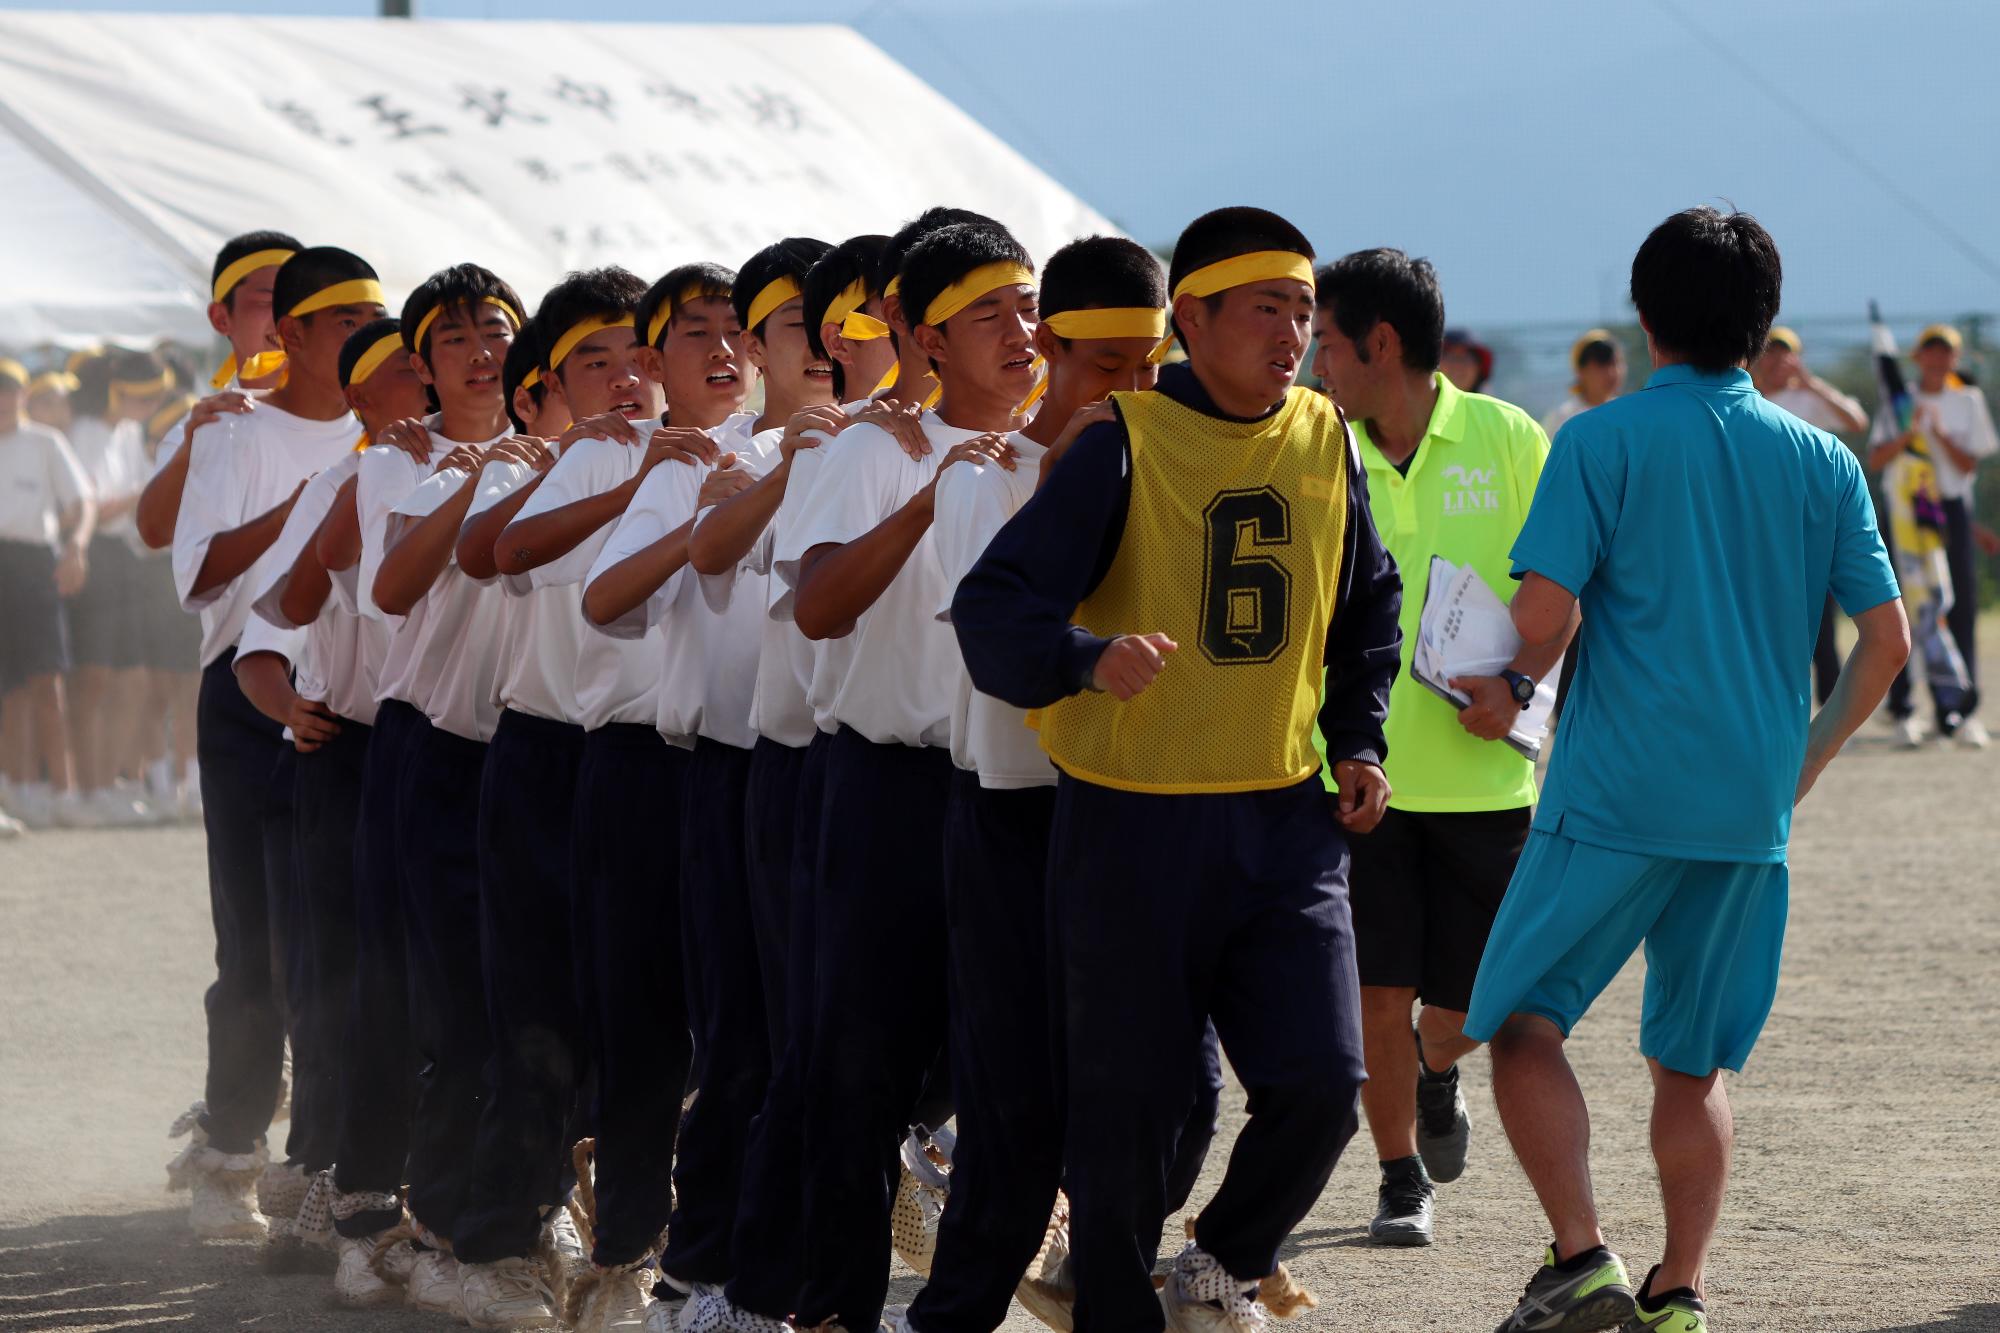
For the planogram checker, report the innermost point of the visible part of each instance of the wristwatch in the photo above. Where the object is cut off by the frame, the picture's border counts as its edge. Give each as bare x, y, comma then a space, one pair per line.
1522, 686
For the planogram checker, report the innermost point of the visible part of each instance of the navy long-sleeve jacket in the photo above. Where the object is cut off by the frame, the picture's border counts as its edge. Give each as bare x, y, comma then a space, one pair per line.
1012, 611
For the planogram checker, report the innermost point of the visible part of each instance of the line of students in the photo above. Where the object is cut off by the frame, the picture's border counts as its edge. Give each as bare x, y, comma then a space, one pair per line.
562, 756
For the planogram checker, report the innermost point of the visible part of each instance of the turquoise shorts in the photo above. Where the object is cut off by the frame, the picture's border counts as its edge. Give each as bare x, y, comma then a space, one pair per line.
1573, 915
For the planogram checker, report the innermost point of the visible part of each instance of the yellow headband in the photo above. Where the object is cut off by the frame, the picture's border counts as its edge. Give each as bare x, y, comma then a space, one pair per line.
851, 298
665, 314
582, 329
81, 357
225, 281
895, 287
532, 378
982, 280
159, 383
256, 368
862, 328
53, 379
430, 317
11, 369
1110, 322
371, 360
1257, 266
776, 292
355, 291
168, 413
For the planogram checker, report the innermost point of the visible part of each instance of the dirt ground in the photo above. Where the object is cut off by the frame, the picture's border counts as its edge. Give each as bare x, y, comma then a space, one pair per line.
1867, 1165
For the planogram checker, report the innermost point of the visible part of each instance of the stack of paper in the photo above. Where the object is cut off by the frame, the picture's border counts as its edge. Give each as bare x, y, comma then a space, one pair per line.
1466, 631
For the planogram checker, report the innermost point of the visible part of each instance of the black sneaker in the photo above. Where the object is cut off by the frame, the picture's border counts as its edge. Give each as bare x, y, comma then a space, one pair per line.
1443, 1128
1589, 1295
1406, 1199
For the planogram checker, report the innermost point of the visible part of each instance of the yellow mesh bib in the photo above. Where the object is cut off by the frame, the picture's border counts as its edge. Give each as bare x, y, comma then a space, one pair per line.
1232, 548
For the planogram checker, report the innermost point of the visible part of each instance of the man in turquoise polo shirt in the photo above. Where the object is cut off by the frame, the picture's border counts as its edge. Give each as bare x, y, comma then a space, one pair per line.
1701, 528
1450, 474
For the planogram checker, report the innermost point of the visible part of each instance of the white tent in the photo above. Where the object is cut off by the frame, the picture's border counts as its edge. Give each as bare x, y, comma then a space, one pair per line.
132, 146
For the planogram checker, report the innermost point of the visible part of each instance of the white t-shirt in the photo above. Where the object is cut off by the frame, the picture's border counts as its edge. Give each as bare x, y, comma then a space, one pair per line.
387, 477
1810, 408
456, 653
39, 478
337, 658
711, 637
114, 458
988, 737
241, 466
541, 626
900, 683
1962, 414
1561, 412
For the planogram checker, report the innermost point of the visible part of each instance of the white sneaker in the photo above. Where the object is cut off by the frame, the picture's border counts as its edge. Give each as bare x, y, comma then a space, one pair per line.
1909, 733
111, 808
1972, 734
437, 1284
357, 1282
508, 1293
611, 1300
398, 1261
10, 827
187, 804
75, 810
1200, 1296
224, 1190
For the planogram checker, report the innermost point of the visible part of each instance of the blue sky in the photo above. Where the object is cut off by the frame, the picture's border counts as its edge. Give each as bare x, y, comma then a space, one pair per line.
1525, 147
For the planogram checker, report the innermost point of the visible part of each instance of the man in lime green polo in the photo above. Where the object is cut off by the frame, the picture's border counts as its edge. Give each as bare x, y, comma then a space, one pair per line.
1450, 474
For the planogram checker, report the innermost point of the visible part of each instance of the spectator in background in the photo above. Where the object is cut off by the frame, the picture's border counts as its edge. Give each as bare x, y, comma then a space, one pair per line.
1598, 363
1781, 376
1467, 362
1953, 416
48, 399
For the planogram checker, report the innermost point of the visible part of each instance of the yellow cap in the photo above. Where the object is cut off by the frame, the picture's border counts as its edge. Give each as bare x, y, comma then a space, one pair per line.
1588, 337
13, 372
1942, 333
1782, 336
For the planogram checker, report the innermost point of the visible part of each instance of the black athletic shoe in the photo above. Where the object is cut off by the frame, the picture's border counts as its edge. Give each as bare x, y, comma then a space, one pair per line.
1406, 1199
1588, 1295
1443, 1128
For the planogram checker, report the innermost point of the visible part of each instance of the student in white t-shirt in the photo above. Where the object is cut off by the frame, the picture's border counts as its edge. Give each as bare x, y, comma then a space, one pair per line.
1955, 420
239, 310
46, 518
457, 327
713, 633
637, 350
244, 473
1598, 362
870, 571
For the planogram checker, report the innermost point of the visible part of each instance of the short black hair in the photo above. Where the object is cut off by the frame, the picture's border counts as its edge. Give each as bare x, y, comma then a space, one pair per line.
702, 279
855, 257
1384, 286
1105, 271
363, 338
455, 290
249, 243
525, 354
131, 365
312, 271
1225, 233
1707, 285
946, 255
890, 265
92, 395
610, 292
1596, 352
791, 258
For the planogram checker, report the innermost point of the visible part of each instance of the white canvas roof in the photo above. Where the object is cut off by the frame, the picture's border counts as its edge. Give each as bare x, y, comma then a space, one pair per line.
132, 146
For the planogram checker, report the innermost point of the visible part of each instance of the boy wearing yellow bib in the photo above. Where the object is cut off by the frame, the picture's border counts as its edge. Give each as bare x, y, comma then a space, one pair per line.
1195, 583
